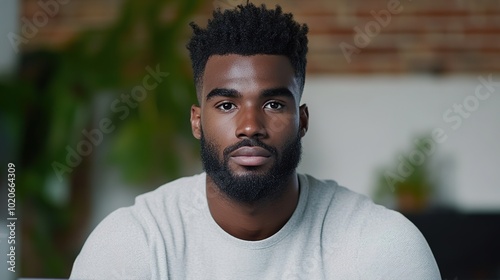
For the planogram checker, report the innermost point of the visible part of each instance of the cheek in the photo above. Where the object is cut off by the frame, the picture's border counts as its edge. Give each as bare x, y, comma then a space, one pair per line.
218, 127
218, 136
283, 125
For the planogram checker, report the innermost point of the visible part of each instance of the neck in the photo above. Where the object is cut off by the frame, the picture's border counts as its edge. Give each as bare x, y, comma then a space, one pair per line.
253, 221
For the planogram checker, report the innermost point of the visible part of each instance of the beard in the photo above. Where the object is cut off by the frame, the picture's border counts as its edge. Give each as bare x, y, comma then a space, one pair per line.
258, 186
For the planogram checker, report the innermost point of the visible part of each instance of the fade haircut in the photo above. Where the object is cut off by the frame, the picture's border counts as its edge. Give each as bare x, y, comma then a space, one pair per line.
249, 30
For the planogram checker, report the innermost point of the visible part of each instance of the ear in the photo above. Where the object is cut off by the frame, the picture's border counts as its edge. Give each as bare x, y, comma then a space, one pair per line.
304, 119
196, 121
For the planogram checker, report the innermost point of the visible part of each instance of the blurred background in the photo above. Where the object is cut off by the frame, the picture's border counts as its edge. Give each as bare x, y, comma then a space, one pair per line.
404, 101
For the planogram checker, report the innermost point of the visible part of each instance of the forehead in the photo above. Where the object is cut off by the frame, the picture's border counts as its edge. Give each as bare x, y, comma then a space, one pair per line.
248, 73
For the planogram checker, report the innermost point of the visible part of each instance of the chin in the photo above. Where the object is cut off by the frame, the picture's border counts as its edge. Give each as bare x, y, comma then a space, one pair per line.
242, 171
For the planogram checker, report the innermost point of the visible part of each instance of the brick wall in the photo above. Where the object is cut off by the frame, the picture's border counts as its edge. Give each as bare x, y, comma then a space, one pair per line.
410, 36
58, 21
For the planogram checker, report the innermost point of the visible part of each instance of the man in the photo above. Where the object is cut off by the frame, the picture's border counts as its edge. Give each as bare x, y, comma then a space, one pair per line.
251, 216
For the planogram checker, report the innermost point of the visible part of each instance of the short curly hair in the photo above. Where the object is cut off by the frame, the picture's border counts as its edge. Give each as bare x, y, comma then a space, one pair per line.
249, 30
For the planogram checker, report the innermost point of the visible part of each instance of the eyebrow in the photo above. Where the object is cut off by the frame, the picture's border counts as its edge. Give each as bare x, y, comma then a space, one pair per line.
278, 92
222, 92
232, 93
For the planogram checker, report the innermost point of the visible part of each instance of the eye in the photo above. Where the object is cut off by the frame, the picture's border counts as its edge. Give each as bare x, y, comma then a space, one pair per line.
226, 106
274, 105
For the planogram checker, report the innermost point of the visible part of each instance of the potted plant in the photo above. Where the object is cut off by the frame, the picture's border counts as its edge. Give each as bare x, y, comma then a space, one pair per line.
406, 185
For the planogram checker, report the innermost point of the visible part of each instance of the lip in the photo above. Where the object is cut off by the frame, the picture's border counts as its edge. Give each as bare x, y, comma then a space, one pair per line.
251, 156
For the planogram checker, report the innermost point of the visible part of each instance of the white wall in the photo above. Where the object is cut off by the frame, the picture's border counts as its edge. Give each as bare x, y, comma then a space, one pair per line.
359, 124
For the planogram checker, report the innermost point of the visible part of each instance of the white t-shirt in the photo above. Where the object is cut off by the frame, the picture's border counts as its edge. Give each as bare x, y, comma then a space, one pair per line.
333, 233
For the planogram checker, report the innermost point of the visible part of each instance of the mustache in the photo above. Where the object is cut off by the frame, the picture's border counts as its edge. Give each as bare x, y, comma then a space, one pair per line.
250, 142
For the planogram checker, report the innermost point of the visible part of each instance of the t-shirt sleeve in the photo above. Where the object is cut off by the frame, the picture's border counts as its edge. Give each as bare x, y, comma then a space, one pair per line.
116, 249
395, 249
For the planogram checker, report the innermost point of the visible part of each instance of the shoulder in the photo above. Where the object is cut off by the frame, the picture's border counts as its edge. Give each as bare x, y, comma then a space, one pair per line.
122, 243
116, 247
386, 244
177, 189
393, 247
169, 203
353, 210
334, 199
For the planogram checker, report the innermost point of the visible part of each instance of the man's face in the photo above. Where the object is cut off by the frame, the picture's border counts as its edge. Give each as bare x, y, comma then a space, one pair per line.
250, 124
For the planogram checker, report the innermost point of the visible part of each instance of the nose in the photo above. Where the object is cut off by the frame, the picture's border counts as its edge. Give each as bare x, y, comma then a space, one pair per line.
251, 123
